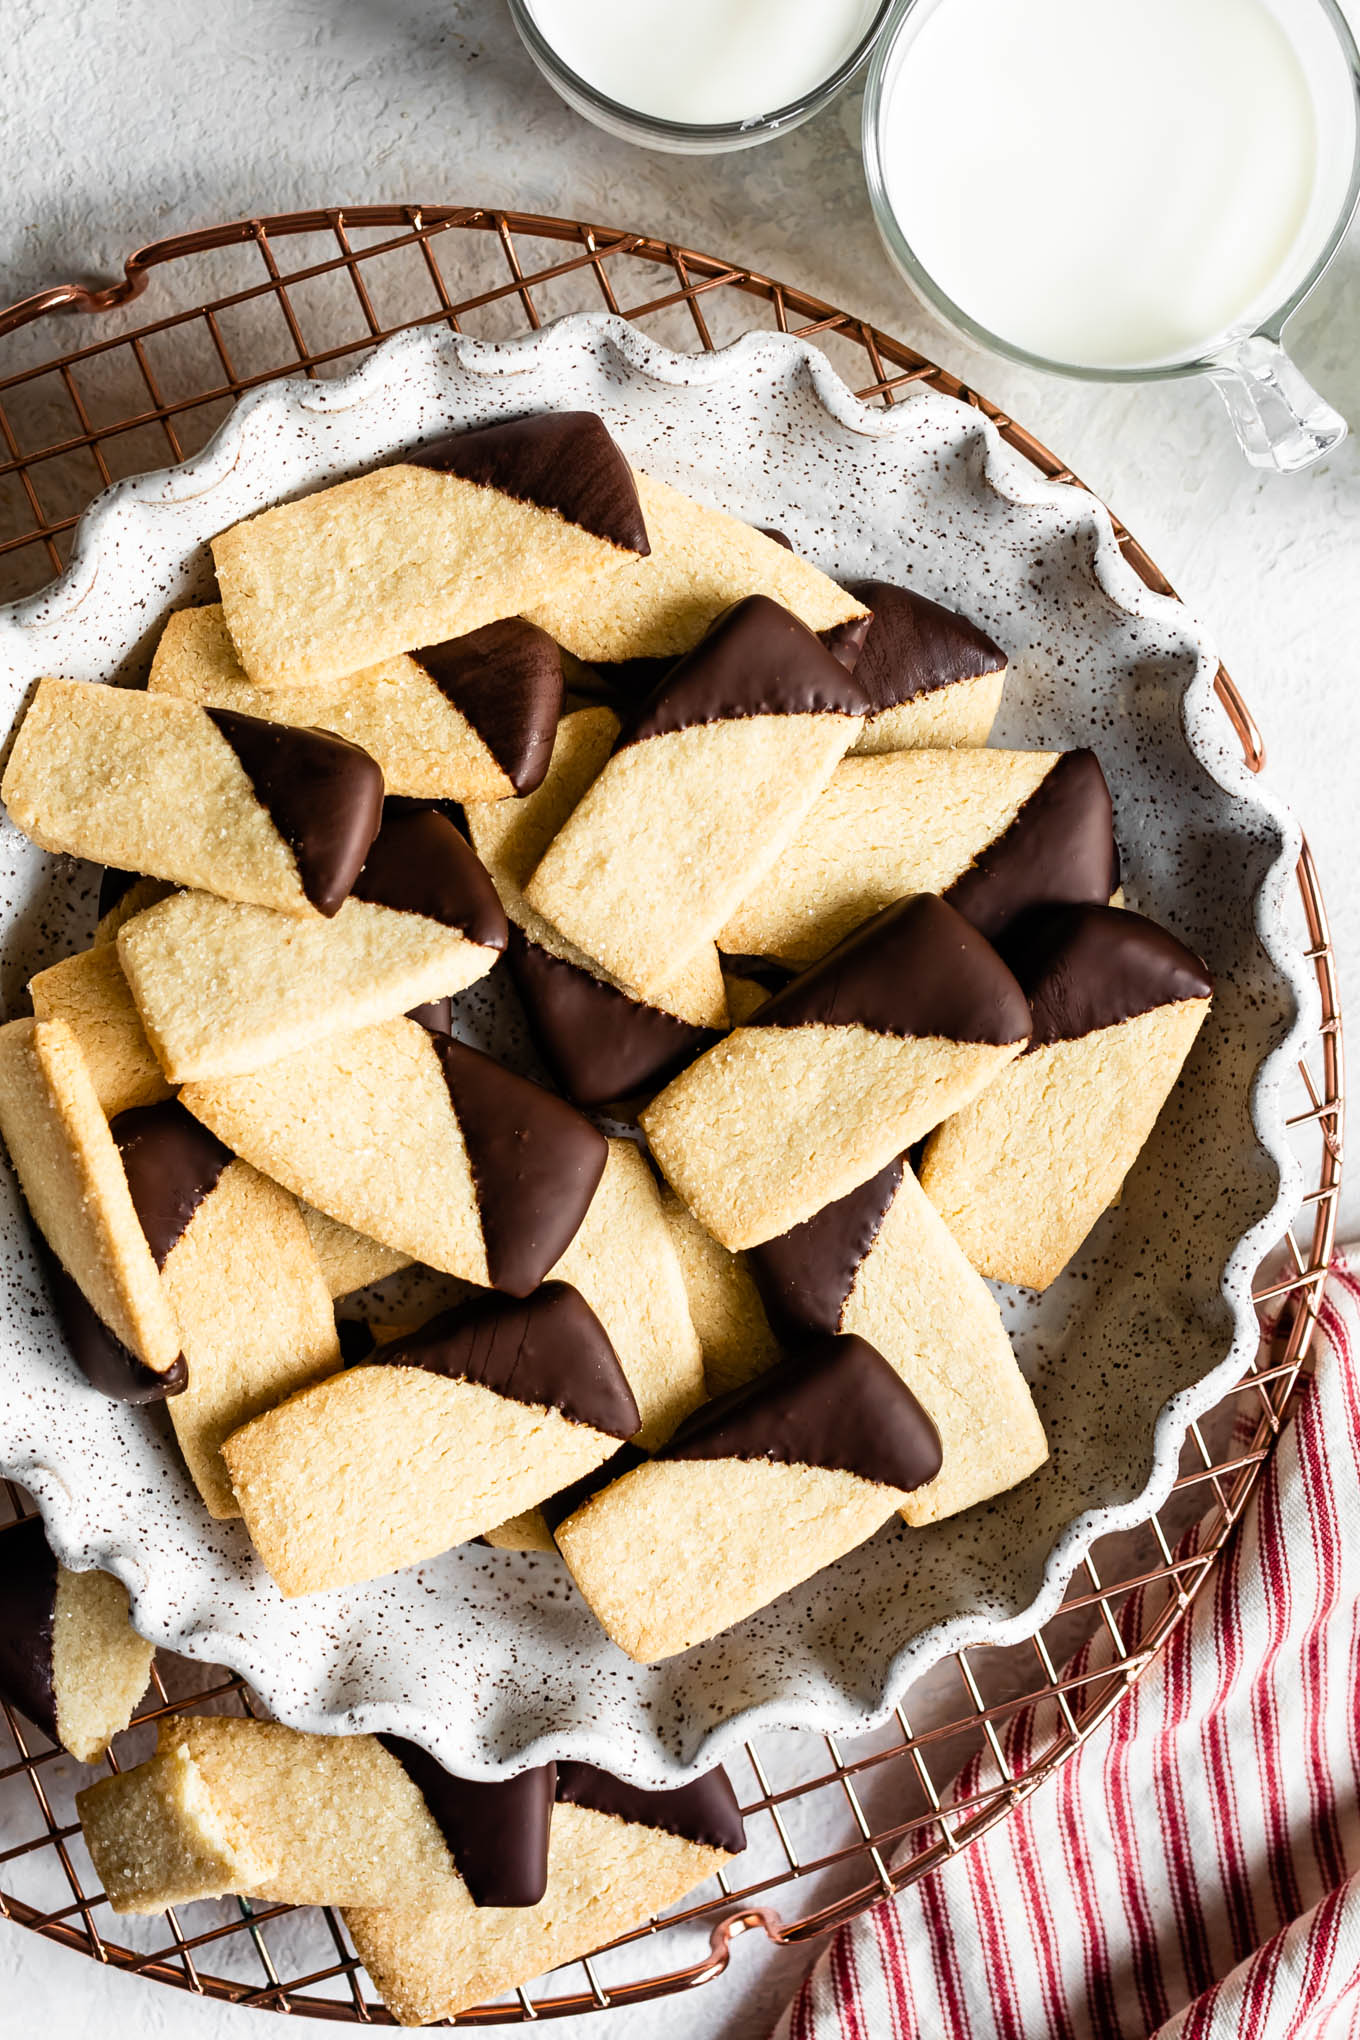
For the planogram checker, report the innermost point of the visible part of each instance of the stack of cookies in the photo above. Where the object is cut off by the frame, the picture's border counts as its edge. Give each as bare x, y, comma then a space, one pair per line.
859, 992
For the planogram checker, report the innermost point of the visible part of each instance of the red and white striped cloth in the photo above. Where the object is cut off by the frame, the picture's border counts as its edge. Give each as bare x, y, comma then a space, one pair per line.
1194, 1871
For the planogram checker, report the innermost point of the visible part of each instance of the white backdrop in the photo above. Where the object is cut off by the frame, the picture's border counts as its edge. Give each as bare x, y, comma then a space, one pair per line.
124, 120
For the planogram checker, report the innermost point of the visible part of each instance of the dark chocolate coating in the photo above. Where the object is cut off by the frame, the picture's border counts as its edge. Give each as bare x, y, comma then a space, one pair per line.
914, 645
599, 1044
560, 460
506, 680
497, 1831
114, 885
1059, 851
762, 970
1084, 968
536, 1164
549, 1351
322, 793
917, 968
105, 1361
776, 536
357, 1342
836, 1404
436, 1014
568, 1500
806, 1274
28, 1604
172, 1163
419, 864
845, 641
704, 1811
757, 659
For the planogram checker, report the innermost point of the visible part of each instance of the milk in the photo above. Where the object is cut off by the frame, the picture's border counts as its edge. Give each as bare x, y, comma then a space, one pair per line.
1116, 183
704, 62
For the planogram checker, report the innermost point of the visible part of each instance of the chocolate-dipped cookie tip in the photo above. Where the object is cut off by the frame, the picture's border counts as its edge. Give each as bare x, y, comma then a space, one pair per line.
804, 1276
836, 1404
706, 1811
172, 1163
599, 1043
323, 794
916, 968
418, 863
755, 659
28, 1599
506, 681
1087, 967
496, 1830
1058, 849
564, 461
548, 1350
107, 1364
912, 646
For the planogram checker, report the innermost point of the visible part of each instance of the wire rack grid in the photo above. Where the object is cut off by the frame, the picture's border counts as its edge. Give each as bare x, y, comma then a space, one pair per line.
255, 299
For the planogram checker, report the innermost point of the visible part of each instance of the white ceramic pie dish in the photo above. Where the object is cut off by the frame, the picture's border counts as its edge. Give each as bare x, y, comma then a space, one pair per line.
490, 1659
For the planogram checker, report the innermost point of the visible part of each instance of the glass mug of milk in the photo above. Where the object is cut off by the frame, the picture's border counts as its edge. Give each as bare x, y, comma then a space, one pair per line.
698, 76
1124, 189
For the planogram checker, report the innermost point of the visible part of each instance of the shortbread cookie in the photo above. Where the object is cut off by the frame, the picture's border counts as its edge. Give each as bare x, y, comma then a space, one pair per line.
463, 532
1022, 1173
224, 1237
223, 988
90, 993
202, 796
600, 1042
420, 1143
624, 1263
699, 795
701, 562
349, 1260
532, 1529
903, 1023
724, 1303
72, 1178
995, 832
882, 1263
121, 895
230, 1805
616, 1856
69, 1658
442, 1435
472, 719
755, 1493
933, 679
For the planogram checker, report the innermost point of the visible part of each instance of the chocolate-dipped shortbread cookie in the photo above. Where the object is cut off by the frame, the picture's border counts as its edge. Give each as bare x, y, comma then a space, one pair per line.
204, 797
70, 1171
994, 832
231, 1805
699, 795
903, 1023
439, 1437
701, 561
223, 988
69, 1658
456, 534
90, 993
421, 1143
755, 1493
1022, 1173
221, 1234
616, 1856
933, 679
472, 719
882, 1263
600, 1041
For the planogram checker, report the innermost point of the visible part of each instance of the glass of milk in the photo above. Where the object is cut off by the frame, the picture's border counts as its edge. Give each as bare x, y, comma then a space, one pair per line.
1124, 189
698, 76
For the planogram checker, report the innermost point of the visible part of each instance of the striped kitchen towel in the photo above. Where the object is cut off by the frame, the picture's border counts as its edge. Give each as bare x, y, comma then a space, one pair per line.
1194, 1871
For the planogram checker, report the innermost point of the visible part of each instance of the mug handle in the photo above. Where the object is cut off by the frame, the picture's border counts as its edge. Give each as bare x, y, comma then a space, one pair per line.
1280, 420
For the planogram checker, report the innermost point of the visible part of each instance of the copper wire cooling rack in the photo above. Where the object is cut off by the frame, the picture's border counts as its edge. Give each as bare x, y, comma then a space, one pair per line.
238, 305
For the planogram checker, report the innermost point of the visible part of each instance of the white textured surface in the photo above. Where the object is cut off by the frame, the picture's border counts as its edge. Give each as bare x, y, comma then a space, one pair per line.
124, 123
